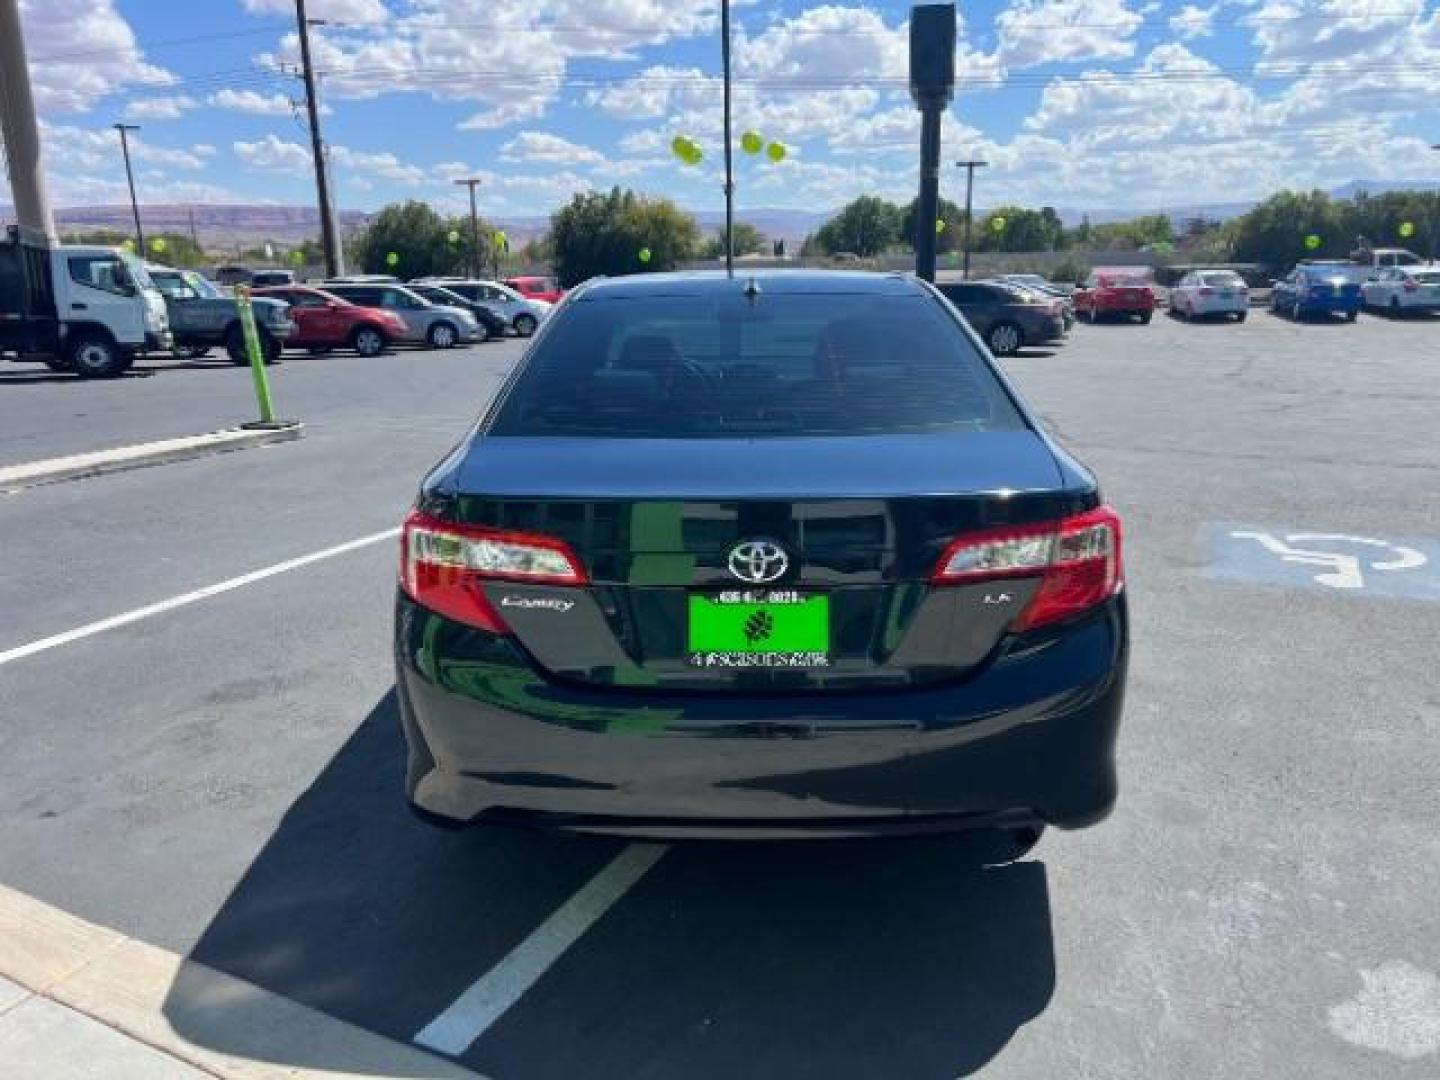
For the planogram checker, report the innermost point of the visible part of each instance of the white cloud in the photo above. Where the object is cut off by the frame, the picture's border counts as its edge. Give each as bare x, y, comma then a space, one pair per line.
1053, 31
274, 154
347, 11
507, 113
1192, 22
377, 166
544, 148
69, 149
168, 107
81, 51
249, 101
828, 42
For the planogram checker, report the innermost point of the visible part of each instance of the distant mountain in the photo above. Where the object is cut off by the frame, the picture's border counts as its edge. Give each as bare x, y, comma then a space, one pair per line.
220, 227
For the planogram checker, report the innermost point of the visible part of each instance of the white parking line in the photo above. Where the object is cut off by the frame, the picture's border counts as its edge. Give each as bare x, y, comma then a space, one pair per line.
486, 1000
128, 617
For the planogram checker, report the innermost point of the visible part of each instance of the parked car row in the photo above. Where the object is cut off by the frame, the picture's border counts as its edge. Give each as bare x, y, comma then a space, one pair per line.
1008, 315
367, 313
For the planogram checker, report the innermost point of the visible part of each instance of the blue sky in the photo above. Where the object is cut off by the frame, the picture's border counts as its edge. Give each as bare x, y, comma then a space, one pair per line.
1076, 103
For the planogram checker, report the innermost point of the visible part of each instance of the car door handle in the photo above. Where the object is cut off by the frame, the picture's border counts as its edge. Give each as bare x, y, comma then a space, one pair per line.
80, 307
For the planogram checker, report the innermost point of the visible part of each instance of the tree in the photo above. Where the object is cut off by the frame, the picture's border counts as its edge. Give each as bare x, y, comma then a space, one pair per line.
1014, 228
605, 233
419, 238
1275, 232
748, 240
947, 239
174, 249
866, 226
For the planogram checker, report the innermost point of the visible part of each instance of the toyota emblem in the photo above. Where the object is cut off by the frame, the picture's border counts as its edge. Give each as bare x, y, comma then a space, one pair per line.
758, 562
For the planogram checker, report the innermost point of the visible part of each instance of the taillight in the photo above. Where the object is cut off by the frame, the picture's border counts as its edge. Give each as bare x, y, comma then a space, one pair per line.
1411, 285
1077, 561
444, 566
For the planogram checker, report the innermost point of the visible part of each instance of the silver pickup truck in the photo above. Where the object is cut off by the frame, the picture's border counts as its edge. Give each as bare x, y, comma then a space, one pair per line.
201, 317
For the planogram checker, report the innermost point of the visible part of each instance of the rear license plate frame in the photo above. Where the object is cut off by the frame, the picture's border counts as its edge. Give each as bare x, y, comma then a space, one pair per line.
722, 631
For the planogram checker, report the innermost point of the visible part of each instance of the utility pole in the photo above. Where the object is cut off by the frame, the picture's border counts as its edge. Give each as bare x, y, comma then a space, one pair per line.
471, 182
328, 239
729, 153
124, 130
194, 236
35, 221
969, 167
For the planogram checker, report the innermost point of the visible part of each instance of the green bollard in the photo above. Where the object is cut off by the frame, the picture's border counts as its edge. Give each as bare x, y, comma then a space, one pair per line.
257, 359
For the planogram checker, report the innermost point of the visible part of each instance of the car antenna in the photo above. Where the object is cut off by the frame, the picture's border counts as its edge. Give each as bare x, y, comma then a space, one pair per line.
752, 289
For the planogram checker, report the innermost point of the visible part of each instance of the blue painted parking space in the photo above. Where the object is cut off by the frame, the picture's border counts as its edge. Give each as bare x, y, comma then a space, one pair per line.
1334, 561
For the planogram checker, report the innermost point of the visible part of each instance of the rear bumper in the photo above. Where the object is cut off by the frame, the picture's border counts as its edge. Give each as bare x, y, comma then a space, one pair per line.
1031, 739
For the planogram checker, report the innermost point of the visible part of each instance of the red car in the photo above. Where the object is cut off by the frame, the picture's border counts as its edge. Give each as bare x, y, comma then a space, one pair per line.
323, 321
1123, 291
537, 288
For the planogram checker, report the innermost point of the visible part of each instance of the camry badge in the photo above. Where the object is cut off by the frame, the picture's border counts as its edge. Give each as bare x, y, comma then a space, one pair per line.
758, 562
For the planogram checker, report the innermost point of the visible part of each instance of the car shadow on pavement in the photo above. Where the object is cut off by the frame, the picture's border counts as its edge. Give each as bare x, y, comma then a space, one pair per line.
841, 959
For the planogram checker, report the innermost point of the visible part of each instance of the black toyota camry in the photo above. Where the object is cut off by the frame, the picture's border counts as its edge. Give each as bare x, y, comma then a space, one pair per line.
774, 555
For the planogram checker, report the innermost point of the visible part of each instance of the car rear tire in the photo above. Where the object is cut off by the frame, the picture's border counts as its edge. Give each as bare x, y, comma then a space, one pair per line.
442, 335
1145, 317
94, 356
235, 347
1352, 316
1240, 316
1017, 842
367, 341
525, 325
1005, 339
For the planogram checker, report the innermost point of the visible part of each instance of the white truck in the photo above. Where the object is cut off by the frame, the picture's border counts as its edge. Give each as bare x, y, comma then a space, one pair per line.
78, 308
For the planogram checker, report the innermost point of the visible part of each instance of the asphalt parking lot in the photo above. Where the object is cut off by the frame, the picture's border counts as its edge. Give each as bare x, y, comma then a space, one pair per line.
223, 779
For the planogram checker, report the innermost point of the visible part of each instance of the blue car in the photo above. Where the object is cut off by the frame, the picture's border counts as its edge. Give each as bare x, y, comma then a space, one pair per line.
1317, 290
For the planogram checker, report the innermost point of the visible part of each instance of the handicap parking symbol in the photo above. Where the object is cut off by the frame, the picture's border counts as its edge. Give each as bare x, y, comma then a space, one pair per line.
1398, 568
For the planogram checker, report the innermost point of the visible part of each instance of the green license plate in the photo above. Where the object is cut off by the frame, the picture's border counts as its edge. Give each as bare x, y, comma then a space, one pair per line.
759, 628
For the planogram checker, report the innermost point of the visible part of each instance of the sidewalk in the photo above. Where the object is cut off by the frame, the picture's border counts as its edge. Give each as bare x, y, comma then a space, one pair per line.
39, 1038
83, 1002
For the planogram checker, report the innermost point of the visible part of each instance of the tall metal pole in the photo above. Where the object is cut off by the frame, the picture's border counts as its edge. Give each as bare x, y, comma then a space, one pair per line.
729, 154
124, 130
929, 200
475, 267
328, 239
22, 139
969, 167
194, 236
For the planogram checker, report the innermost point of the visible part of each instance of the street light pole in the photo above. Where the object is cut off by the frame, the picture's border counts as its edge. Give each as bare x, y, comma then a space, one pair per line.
969, 167
729, 155
471, 182
124, 130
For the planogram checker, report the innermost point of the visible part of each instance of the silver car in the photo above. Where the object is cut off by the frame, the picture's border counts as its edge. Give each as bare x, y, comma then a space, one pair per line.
436, 325
523, 314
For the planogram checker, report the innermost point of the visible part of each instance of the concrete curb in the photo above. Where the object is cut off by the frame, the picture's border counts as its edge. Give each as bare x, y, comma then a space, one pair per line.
140, 455
217, 1023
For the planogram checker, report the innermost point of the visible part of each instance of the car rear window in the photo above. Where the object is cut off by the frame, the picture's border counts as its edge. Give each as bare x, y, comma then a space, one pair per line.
1224, 281
1133, 279
789, 364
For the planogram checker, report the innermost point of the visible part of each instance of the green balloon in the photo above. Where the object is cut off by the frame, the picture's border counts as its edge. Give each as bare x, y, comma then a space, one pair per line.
686, 149
297, 257
997, 224
1312, 241
453, 236
644, 255
1407, 229
158, 244
392, 259
127, 244
775, 152
939, 226
500, 241
751, 142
